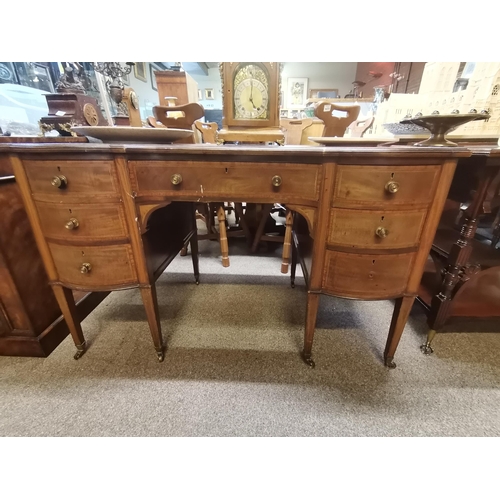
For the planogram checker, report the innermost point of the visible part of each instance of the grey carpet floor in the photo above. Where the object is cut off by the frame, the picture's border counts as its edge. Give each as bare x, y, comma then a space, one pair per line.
233, 368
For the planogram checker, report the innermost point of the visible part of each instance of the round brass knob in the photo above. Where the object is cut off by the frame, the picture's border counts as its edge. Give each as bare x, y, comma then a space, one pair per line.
392, 187
176, 179
277, 180
85, 268
381, 232
59, 181
72, 224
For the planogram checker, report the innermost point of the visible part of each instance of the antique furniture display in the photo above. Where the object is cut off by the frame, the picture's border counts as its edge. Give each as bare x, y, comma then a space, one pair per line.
250, 104
460, 287
372, 214
31, 323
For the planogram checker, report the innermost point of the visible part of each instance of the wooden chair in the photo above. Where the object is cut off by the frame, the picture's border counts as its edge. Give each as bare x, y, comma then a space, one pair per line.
293, 129
170, 117
358, 127
335, 126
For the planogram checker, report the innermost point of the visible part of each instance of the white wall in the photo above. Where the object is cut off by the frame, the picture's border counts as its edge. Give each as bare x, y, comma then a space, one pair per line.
335, 75
322, 75
212, 81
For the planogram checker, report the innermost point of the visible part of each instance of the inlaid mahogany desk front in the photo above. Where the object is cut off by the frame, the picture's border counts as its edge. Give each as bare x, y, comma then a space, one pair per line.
371, 214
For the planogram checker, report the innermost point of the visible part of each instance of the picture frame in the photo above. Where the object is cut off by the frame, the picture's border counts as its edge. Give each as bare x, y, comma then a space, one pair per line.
140, 71
283, 113
152, 76
200, 95
323, 93
209, 94
296, 92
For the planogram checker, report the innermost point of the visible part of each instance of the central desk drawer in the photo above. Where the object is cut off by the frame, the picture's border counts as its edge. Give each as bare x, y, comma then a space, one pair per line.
226, 181
365, 276
90, 267
82, 222
375, 229
85, 181
357, 185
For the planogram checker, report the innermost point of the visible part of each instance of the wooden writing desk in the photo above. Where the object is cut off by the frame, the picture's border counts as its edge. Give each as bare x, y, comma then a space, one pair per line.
371, 214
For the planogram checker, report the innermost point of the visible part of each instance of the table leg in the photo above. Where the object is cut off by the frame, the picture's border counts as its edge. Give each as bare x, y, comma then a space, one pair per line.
287, 241
400, 315
150, 302
221, 215
66, 301
311, 313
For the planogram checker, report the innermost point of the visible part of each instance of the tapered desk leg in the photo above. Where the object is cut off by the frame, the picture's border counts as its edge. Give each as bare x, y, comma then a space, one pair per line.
221, 215
400, 315
311, 313
194, 255
151, 305
66, 301
287, 243
294, 264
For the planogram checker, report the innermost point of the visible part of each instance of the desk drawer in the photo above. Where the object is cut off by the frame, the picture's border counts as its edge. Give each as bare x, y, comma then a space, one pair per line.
366, 276
226, 180
82, 222
357, 185
376, 229
94, 267
85, 181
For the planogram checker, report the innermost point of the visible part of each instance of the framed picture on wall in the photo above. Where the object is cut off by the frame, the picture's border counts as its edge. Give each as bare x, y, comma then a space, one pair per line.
209, 94
323, 93
152, 76
140, 71
296, 92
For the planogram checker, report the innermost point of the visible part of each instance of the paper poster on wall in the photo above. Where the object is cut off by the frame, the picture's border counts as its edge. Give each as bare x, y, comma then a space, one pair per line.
296, 92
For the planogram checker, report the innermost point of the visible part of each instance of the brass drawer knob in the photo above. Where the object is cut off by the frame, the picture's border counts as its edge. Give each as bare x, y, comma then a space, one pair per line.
86, 268
392, 187
277, 181
72, 224
176, 179
381, 232
59, 181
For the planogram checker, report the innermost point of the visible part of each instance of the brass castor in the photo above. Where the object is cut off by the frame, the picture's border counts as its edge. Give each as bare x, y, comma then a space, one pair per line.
161, 355
80, 351
426, 348
308, 360
390, 363
197, 281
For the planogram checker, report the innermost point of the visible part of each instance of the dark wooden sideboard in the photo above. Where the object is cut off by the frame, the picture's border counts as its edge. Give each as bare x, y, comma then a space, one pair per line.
371, 214
460, 287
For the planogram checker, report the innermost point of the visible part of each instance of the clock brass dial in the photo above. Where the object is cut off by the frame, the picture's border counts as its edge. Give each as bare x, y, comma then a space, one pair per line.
251, 93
